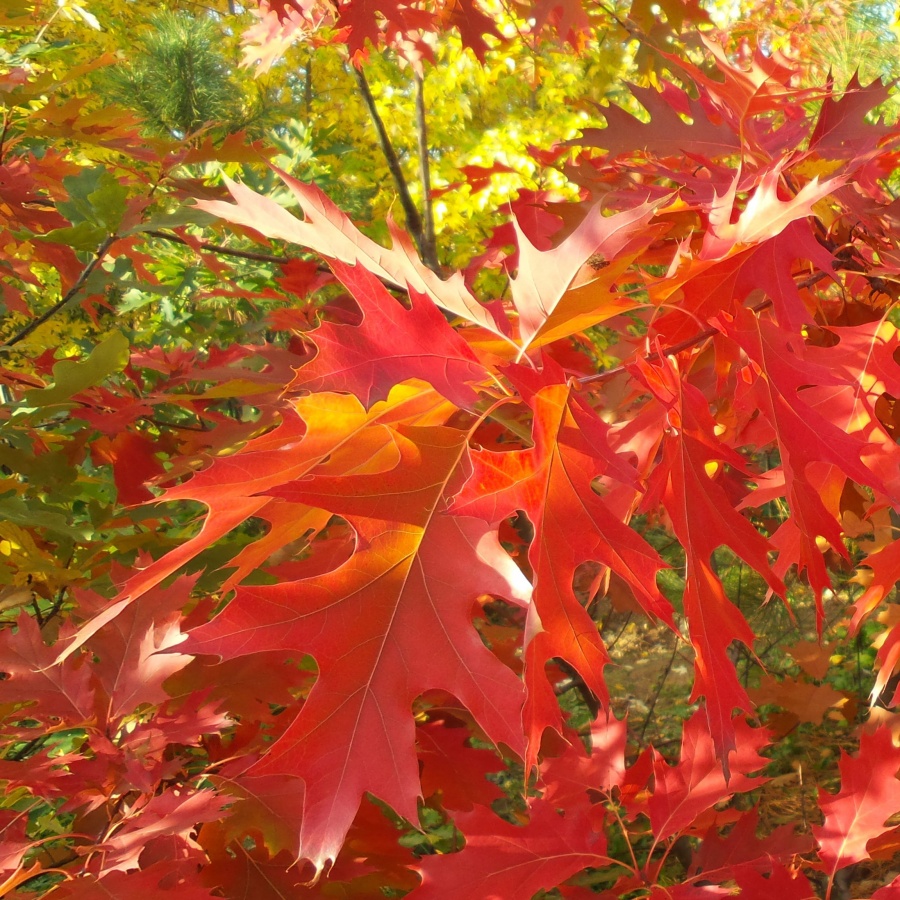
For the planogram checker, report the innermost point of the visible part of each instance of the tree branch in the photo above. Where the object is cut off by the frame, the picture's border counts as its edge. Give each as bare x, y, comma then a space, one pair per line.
206, 247
429, 242
34, 324
413, 218
307, 91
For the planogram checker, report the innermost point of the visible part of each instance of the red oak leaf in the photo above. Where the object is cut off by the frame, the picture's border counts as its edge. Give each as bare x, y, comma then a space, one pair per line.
717, 857
453, 770
814, 449
389, 346
130, 667
703, 517
684, 791
667, 134
32, 680
14, 842
156, 882
869, 795
779, 881
247, 869
889, 891
843, 129
173, 812
410, 586
502, 861
568, 776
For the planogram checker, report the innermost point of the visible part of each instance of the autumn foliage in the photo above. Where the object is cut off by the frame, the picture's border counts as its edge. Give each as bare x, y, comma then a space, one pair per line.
317, 613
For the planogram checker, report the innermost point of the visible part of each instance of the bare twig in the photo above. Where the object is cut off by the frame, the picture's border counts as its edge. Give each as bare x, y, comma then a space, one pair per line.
429, 242
86, 273
659, 686
307, 91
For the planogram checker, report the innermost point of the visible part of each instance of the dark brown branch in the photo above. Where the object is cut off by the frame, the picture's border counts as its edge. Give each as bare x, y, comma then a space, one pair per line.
206, 247
687, 343
6, 119
413, 218
34, 324
429, 242
307, 91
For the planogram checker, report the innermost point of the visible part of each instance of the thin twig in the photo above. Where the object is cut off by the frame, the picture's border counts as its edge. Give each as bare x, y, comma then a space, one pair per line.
307, 91
686, 344
159, 424
429, 242
86, 273
659, 686
206, 247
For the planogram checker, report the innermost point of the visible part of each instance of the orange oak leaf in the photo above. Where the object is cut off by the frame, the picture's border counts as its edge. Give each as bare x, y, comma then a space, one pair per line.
268, 805
764, 216
327, 231
552, 483
234, 487
549, 303
805, 701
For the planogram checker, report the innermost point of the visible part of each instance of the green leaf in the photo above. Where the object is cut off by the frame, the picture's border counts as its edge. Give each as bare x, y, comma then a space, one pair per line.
96, 197
71, 376
29, 515
83, 236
